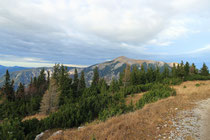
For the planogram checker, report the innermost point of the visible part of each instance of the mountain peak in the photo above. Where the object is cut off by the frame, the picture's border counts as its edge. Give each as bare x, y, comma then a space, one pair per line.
121, 58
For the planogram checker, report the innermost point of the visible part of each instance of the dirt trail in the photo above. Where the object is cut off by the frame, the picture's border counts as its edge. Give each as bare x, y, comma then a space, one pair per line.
185, 116
203, 110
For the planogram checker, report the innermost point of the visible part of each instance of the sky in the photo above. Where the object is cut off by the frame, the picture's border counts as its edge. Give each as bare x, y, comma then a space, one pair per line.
36, 33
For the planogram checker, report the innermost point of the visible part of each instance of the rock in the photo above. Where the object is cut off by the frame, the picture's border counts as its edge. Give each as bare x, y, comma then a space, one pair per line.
80, 127
57, 133
38, 137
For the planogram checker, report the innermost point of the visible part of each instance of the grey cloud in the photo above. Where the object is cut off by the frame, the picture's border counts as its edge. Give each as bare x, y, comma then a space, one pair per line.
85, 32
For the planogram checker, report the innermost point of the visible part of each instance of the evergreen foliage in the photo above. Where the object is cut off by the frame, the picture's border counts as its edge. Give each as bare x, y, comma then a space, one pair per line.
204, 70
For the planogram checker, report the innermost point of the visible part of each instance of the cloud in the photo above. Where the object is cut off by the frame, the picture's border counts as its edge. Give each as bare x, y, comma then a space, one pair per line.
86, 32
205, 49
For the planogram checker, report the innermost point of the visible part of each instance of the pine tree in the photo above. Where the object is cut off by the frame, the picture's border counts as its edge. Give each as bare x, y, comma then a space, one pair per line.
134, 77
82, 84
41, 78
158, 74
95, 77
142, 75
150, 75
193, 69
187, 68
166, 71
20, 91
75, 83
126, 77
204, 70
174, 70
56, 71
8, 89
114, 86
180, 70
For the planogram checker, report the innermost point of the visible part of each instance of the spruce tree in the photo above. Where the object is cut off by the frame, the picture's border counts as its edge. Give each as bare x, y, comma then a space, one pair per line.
204, 70
95, 77
166, 71
134, 79
75, 83
8, 89
193, 69
82, 84
41, 77
126, 77
142, 75
174, 70
187, 68
114, 86
20, 91
158, 74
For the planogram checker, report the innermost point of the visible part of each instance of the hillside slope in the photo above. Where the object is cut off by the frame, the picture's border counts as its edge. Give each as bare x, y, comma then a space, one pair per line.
154, 121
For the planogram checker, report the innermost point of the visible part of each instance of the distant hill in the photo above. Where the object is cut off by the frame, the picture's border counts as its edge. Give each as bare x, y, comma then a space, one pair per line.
108, 70
11, 69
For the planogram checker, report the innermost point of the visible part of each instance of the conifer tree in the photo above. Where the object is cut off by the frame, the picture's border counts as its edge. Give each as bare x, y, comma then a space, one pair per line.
193, 69
8, 89
204, 70
180, 70
95, 77
82, 84
20, 91
150, 75
126, 77
187, 68
114, 86
158, 74
142, 75
134, 78
166, 71
41, 78
75, 83
174, 70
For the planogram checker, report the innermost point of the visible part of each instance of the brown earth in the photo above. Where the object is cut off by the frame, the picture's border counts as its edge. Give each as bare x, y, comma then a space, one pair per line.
154, 121
36, 116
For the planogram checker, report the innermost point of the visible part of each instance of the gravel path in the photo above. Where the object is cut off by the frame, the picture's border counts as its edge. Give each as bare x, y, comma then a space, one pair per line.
193, 124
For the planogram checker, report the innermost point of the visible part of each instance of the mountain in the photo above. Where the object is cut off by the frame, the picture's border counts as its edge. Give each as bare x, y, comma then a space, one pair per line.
111, 69
11, 69
108, 70
24, 76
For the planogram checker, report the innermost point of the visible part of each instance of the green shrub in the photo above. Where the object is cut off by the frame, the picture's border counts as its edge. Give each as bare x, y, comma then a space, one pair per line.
197, 77
172, 81
197, 85
136, 89
11, 130
158, 91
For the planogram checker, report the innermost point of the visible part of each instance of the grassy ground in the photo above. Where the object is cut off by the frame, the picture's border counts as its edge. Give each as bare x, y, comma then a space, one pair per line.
151, 122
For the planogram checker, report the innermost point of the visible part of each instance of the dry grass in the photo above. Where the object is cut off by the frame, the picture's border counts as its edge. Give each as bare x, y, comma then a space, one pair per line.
134, 98
36, 116
147, 123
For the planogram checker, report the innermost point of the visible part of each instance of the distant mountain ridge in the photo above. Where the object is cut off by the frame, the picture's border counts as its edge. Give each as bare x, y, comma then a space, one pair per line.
107, 70
11, 69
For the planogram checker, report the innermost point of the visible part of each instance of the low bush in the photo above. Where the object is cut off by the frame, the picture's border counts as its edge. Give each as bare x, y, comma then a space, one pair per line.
197, 77
136, 89
158, 91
